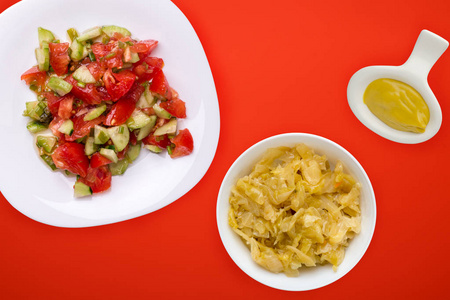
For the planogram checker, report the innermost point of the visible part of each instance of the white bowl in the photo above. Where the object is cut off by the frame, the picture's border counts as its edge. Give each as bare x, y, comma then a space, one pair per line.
429, 47
309, 278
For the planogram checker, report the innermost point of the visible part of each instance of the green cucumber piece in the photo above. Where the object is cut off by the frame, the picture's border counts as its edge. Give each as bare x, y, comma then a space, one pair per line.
168, 128
153, 148
78, 50
133, 152
45, 36
111, 29
90, 34
46, 142
137, 120
43, 58
66, 127
82, 74
109, 154
38, 110
118, 168
161, 112
146, 99
49, 161
59, 85
81, 190
101, 135
144, 131
35, 127
72, 33
120, 136
95, 112
90, 147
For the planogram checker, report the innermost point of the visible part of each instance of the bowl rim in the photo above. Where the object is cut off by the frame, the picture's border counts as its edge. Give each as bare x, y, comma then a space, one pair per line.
221, 215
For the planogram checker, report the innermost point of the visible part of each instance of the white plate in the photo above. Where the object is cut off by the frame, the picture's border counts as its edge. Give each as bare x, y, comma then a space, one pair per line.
309, 278
151, 182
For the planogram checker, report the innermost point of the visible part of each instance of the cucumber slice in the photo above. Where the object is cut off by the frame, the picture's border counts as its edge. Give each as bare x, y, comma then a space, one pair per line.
146, 99
95, 112
66, 127
59, 85
161, 112
35, 127
119, 167
49, 161
101, 135
109, 154
90, 34
43, 58
138, 120
78, 50
81, 190
83, 74
120, 136
168, 128
90, 147
111, 29
45, 36
153, 148
46, 142
144, 131
133, 152
37, 110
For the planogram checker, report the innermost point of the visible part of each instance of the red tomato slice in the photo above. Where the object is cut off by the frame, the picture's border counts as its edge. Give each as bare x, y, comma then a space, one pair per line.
54, 126
118, 84
99, 179
66, 106
71, 157
145, 46
81, 128
109, 55
176, 107
184, 144
160, 141
53, 102
160, 85
155, 62
89, 94
34, 76
123, 108
96, 70
98, 160
59, 57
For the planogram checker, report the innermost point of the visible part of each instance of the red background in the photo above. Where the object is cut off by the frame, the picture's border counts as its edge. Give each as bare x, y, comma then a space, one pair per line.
279, 66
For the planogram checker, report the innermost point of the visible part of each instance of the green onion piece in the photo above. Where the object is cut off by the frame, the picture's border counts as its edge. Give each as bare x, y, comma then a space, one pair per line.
35, 127
112, 54
112, 147
122, 45
91, 56
73, 34
81, 84
33, 87
48, 159
121, 128
169, 150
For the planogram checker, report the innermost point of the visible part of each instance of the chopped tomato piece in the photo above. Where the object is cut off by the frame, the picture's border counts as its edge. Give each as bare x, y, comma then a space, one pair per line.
160, 85
154, 62
176, 107
34, 76
81, 127
96, 70
65, 106
98, 179
184, 144
145, 46
53, 102
59, 57
71, 157
55, 124
121, 154
149, 111
160, 141
98, 160
109, 55
123, 108
89, 94
118, 84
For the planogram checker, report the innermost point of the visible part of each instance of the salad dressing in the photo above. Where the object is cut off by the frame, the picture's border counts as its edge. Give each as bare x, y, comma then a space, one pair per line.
397, 104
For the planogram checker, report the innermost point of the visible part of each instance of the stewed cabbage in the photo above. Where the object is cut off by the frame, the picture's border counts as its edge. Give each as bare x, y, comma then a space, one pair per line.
293, 210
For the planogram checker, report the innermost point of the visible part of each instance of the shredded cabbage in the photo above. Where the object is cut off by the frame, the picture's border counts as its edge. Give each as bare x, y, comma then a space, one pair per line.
293, 210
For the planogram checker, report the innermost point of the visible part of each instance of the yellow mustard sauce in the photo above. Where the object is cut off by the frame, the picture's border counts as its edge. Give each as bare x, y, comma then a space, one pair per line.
397, 104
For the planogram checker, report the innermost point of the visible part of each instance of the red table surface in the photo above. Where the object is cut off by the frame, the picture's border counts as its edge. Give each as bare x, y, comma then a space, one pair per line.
279, 66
